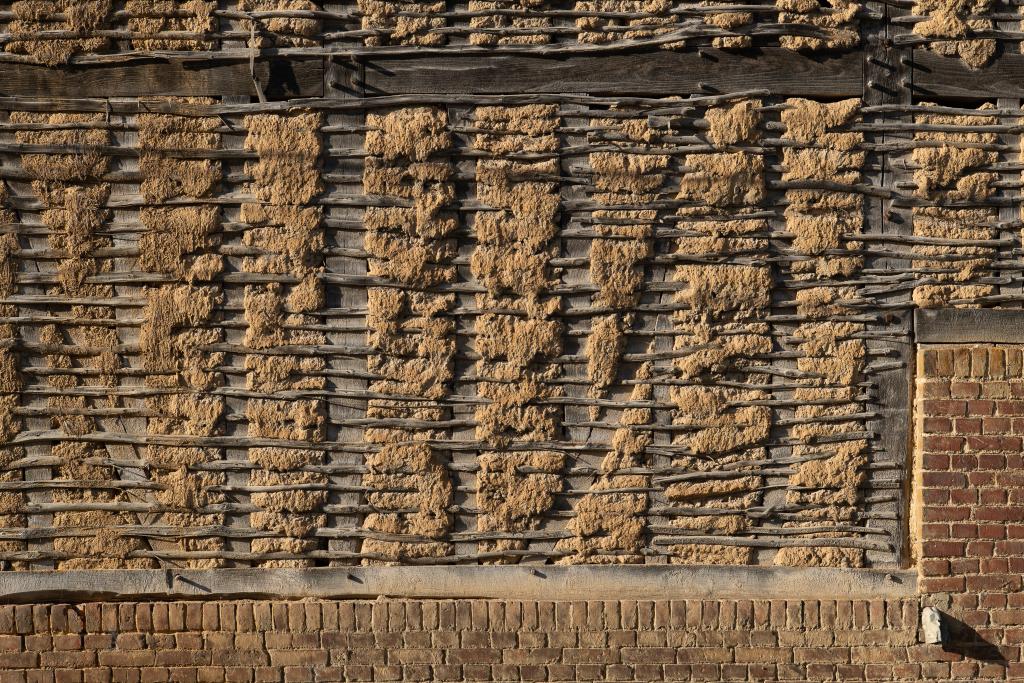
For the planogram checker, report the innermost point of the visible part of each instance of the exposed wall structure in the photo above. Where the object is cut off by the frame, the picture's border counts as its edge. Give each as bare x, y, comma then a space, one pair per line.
11, 384
516, 484
89, 29
285, 29
411, 246
952, 27
80, 18
502, 29
148, 17
602, 29
179, 320
81, 347
952, 172
392, 24
837, 24
285, 239
590, 334
609, 525
826, 483
720, 332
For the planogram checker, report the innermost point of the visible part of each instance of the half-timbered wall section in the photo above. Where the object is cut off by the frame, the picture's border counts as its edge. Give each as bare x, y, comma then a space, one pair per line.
295, 284
299, 284
462, 298
578, 329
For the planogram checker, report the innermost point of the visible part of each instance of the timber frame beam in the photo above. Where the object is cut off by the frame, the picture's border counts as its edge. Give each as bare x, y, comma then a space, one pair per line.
656, 73
621, 582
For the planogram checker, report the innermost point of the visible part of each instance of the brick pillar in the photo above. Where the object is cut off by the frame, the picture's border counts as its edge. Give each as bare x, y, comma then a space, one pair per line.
969, 508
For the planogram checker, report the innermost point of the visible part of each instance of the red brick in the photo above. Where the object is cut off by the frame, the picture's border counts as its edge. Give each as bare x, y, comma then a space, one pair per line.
964, 565
943, 548
944, 443
934, 567
993, 443
994, 582
993, 496
980, 479
938, 407
991, 531
1010, 407
968, 425
946, 514
474, 656
951, 584
980, 548
991, 601
1000, 514
980, 408
940, 425
934, 496
965, 389
935, 461
996, 425
963, 497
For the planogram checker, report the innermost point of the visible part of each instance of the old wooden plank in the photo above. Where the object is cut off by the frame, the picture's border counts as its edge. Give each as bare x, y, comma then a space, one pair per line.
969, 326
938, 76
521, 583
280, 78
887, 81
343, 80
783, 72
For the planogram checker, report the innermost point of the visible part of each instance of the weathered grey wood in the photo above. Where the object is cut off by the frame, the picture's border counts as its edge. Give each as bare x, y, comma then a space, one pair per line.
280, 78
887, 81
783, 72
938, 76
969, 326
520, 583
343, 78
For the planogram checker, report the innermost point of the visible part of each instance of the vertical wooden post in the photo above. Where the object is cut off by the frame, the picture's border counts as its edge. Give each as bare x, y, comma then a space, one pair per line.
887, 80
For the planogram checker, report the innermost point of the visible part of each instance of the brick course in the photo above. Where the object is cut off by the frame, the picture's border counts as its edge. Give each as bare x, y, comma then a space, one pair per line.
456, 640
971, 521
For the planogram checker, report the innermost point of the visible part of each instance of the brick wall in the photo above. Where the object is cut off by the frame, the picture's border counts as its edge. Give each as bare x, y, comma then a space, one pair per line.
971, 498
479, 640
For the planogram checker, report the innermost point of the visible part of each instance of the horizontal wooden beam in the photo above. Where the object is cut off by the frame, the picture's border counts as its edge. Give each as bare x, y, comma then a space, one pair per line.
782, 72
938, 76
655, 73
279, 77
523, 582
969, 326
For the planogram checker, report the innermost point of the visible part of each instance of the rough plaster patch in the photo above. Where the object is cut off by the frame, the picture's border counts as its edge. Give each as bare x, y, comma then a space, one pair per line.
953, 173
155, 16
412, 335
384, 17
80, 16
533, 28
839, 24
958, 20
288, 235
595, 29
282, 31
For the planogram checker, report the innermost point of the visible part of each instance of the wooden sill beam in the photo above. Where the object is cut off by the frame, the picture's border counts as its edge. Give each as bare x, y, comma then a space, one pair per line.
518, 582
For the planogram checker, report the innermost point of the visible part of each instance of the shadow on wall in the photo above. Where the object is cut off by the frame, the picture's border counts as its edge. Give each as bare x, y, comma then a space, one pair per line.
963, 640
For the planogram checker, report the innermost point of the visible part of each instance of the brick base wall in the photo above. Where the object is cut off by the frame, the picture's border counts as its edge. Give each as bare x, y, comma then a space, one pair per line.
971, 496
471, 640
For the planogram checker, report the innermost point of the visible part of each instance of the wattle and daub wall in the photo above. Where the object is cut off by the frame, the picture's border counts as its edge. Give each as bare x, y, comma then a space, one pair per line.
296, 285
